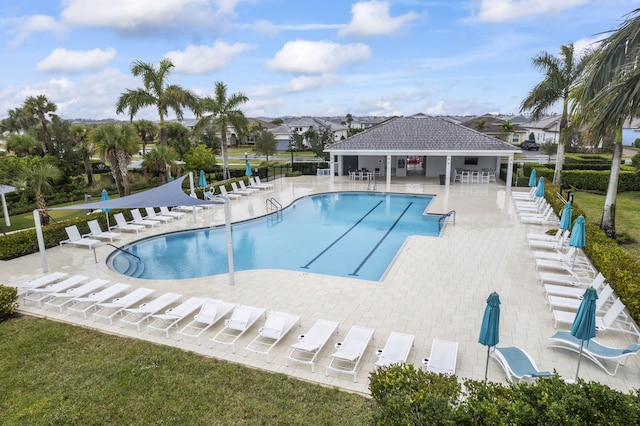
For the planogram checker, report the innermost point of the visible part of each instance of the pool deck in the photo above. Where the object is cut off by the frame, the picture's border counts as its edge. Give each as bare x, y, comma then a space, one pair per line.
435, 289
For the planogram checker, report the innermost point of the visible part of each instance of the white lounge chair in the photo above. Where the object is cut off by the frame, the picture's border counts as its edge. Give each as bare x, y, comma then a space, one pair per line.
254, 184
81, 305
572, 304
569, 278
42, 294
614, 319
244, 187
596, 352
443, 357
522, 195
311, 343
152, 215
349, 354
537, 236
517, 364
135, 316
166, 212
579, 269
571, 255
210, 313
276, 326
396, 350
122, 225
76, 239
225, 193
547, 218
109, 307
242, 318
26, 287
571, 291
139, 220
97, 232
236, 190
60, 300
171, 318
267, 184
552, 244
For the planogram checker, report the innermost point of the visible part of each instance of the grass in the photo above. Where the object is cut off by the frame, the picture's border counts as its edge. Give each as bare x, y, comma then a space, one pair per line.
627, 215
53, 373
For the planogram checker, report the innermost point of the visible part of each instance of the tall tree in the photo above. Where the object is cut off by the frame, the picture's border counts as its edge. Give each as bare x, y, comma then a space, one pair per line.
506, 129
116, 144
480, 124
156, 93
85, 148
349, 120
223, 111
41, 108
266, 143
160, 161
23, 145
608, 94
561, 74
147, 132
38, 174
17, 121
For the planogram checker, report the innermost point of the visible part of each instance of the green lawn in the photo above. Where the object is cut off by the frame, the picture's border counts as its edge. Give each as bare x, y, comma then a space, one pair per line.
627, 214
53, 373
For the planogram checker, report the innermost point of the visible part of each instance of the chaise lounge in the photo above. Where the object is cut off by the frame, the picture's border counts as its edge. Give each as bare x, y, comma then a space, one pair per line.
517, 364
443, 357
276, 326
396, 350
311, 343
349, 354
242, 318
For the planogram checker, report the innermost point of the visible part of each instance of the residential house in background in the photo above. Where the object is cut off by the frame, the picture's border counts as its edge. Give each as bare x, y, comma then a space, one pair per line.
492, 125
546, 130
630, 131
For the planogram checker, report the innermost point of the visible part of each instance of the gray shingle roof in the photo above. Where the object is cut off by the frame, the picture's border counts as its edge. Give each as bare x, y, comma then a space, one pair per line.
423, 133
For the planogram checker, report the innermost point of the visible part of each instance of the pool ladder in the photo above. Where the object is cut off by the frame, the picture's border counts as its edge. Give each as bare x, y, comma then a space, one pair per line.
444, 217
372, 185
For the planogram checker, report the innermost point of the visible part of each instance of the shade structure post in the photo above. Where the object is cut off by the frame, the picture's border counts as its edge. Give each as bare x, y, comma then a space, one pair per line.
40, 236
7, 221
227, 226
193, 191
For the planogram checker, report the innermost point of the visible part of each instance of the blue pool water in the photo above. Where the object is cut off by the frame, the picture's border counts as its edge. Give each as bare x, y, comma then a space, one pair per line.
343, 234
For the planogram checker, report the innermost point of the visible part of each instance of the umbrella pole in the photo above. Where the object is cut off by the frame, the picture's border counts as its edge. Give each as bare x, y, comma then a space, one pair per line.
579, 359
107, 215
486, 367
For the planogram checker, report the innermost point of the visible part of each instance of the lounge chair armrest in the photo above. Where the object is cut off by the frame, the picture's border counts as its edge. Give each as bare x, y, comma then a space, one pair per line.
541, 374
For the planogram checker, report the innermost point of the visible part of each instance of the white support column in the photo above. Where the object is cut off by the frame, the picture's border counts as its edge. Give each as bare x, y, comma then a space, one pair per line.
388, 171
40, 236
448, 172
7, 221
510, 171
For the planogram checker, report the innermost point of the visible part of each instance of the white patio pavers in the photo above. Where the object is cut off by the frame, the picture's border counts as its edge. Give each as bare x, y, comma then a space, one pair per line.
436, 288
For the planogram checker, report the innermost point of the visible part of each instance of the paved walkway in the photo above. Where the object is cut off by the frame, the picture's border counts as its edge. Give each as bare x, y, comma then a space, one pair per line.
435, 289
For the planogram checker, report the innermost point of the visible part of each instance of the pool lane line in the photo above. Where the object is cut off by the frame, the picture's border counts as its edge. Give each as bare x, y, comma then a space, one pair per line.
342, 236
366, 259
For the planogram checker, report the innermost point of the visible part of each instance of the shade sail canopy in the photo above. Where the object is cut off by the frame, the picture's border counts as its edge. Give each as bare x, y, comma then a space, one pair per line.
167, 195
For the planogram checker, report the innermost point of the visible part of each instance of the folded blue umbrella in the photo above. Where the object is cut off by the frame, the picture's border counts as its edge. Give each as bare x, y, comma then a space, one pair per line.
532, 178
565, 219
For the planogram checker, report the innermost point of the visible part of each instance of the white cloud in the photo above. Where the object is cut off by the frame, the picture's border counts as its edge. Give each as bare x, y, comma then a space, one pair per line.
302, 56
507, 10
203, 59
307, 82
437, 109
581, 46
26, 26
71, 61
372, 18
140, 16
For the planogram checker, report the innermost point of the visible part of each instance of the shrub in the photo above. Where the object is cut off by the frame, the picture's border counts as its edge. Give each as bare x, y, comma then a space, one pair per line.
406, 396
8, 301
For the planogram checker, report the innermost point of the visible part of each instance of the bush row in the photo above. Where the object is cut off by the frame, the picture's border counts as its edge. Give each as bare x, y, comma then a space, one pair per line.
404, 395
588, 180
8, 301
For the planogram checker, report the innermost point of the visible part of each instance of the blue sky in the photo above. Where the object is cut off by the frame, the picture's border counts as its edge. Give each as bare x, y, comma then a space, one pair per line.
294, 57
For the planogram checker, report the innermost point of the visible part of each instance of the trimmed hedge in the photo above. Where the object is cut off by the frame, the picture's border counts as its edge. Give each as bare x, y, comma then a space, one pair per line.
25, 242
404, 395
580, 177
8, 301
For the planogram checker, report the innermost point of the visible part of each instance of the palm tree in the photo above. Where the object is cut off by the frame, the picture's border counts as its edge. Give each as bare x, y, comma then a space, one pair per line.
23, 144
480, 124
224, 112
38, 175
608, 94
507, 128
40, 107
116, 144
160, 161
85, 148
147, 132
561, 74
156, 93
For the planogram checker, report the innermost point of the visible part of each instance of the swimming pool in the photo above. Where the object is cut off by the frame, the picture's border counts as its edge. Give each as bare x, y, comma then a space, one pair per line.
347, 234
